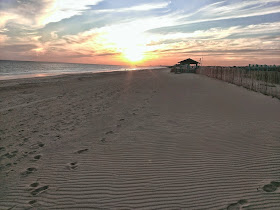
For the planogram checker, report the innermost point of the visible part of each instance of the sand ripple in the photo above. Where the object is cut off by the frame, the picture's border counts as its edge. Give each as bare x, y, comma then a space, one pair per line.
148, 140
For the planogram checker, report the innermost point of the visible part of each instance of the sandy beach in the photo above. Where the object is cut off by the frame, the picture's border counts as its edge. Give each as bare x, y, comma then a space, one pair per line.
137, 140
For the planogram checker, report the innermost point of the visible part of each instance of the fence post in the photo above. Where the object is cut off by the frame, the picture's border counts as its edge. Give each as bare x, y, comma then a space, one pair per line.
252, 79
266, 81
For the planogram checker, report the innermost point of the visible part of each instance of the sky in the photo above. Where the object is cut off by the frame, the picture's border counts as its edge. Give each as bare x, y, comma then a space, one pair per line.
141, 32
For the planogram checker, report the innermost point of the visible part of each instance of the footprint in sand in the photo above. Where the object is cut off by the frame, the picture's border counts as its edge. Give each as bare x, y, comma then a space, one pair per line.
11, 154
81, 151
28, 171
38, 145
119, 125
32, 202
238, 205
32, 152
41, 144
272, 187
109, 132
37, 157
8, 164
39, 190
72, 166
35, 184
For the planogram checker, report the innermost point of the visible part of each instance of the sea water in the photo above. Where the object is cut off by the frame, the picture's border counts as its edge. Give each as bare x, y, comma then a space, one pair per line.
27, 69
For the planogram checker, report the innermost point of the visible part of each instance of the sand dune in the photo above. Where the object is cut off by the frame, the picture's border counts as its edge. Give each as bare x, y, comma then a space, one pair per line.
137, 140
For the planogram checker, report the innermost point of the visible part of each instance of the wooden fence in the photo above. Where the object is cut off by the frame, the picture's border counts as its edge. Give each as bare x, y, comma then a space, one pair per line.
264, 79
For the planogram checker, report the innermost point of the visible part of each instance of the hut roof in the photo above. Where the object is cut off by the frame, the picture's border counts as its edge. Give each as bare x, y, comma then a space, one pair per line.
188, 61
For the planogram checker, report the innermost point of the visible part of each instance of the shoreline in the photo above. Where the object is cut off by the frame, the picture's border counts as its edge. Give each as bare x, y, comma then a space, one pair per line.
96, 68
137, 139
65, 76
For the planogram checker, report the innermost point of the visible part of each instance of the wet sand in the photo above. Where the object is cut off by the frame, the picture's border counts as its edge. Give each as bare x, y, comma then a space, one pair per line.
137, 140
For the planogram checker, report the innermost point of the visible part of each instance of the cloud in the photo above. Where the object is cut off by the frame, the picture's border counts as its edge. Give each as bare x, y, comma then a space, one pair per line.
57, 10
141, 7
225, 10
218, 33
253, 41
36, 14
17, 47
226, 47
108, 54
7, 17
3, 38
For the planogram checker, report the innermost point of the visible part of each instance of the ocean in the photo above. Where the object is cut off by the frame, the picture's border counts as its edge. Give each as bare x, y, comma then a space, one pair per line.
28, 69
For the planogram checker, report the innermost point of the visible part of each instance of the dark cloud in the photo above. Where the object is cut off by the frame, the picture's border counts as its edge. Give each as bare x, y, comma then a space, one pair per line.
107, 54
18, 48
78, 55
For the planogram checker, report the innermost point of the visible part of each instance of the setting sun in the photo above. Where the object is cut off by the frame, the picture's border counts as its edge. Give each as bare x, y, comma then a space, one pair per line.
129, 41
134, 54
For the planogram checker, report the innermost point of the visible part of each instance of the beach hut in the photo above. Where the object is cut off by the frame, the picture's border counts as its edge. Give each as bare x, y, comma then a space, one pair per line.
188, 65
